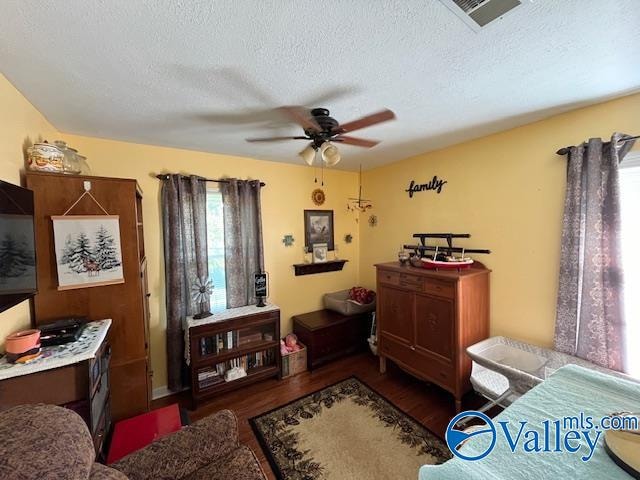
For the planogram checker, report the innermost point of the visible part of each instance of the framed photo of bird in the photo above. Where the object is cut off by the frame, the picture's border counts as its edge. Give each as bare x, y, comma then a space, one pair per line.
318, 228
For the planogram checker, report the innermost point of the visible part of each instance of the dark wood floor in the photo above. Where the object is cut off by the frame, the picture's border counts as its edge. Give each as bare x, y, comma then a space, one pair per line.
428, 404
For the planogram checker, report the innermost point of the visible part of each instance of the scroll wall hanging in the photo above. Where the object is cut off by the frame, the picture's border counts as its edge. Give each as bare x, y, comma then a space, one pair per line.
88, 251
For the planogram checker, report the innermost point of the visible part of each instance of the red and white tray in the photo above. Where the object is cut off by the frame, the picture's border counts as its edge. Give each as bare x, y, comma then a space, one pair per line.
437, 264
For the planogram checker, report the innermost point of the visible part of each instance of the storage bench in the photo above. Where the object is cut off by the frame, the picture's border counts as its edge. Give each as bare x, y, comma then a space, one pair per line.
329, 335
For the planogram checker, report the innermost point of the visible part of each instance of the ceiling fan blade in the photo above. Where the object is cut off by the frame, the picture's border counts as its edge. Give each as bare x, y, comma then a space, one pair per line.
301, 116
373, 119
358, 142
275, 139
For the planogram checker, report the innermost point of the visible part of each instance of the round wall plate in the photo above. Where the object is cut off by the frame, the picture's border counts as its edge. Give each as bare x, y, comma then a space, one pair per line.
318, 196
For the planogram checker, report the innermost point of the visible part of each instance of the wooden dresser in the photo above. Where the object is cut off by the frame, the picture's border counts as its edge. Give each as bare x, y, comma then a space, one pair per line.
127, 304
427, 319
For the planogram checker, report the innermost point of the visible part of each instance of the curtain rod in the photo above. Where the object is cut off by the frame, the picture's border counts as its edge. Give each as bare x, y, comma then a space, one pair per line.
565, 150
164, 176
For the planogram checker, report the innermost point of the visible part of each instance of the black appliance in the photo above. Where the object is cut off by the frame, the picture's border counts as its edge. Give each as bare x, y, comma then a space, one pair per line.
61, 331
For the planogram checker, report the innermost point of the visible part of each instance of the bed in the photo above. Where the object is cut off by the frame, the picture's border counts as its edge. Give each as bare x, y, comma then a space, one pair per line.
566, 392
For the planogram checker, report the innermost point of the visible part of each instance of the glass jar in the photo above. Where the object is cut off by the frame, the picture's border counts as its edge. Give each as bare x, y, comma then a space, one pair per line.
84, 167
70, 163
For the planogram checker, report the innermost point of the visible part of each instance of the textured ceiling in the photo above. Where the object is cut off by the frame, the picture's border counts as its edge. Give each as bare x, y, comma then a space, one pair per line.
204, 74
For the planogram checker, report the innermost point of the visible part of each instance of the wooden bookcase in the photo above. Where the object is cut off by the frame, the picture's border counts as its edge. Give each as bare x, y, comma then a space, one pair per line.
248, 337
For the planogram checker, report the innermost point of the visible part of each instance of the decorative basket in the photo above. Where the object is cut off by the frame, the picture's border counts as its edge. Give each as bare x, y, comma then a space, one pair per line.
339, 302
295, 362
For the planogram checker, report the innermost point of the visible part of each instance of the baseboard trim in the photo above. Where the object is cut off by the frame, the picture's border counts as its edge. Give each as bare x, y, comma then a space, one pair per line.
163, 391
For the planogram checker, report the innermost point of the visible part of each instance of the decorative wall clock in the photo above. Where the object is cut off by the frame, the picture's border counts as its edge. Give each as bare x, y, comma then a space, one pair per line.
318, 196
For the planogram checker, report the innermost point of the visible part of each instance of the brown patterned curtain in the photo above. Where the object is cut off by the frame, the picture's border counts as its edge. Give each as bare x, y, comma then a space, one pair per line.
184, 209
244, 254
590, 310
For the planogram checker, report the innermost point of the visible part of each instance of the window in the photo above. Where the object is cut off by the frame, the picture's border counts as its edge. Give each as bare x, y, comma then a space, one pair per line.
215, 250
630, 206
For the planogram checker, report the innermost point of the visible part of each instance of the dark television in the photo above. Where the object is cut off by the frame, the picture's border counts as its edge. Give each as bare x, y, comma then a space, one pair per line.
17, 245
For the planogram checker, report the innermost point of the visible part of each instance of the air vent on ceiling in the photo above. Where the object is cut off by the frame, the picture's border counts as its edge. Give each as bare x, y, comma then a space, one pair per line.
478, 13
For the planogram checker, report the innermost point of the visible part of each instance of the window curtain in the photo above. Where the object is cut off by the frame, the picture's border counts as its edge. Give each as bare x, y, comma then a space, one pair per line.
244, 253
184, 209
590, 309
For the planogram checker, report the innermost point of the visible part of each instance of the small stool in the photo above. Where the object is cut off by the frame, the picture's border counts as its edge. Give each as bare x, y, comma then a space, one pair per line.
137, 432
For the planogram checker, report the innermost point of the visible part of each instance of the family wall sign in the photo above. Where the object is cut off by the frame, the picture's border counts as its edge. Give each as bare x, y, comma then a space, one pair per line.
435, 184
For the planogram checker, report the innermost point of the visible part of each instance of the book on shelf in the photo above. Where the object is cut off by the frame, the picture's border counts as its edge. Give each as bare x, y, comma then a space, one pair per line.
215, 374
215, 344
250, 338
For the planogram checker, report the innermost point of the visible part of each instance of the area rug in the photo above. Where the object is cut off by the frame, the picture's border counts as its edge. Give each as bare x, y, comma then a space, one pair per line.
345, 431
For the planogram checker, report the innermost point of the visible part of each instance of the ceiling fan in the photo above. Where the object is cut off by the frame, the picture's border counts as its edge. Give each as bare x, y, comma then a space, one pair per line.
322, 130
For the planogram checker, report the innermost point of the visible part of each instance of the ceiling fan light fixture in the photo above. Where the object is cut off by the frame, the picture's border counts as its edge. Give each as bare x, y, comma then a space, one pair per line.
308, 154
330, 154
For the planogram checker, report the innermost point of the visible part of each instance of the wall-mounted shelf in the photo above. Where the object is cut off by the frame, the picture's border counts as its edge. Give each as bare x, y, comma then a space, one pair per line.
311, 268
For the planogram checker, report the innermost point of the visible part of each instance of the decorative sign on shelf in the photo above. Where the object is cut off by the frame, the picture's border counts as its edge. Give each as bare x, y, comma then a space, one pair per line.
435, 184
261, 287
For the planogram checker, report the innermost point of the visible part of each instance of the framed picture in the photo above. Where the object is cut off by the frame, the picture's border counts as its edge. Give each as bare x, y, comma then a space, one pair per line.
319, 252
318, 228
17, 255
88, 252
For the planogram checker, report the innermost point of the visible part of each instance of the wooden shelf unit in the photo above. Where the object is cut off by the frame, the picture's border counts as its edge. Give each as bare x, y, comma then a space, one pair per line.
267, 348
127, 304
311, 268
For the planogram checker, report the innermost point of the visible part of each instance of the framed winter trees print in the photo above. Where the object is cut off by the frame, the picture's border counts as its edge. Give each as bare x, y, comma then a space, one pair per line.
88, 252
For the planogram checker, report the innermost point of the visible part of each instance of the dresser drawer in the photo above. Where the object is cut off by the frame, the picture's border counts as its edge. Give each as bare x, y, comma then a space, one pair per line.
441, 289
99, 400
439, 372
389, 278
402, 280
424, 365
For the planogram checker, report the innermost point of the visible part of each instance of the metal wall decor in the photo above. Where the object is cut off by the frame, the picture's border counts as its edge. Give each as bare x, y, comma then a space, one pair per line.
373, 220
288, 240
348, 238
318, 196
359, 204
434, 184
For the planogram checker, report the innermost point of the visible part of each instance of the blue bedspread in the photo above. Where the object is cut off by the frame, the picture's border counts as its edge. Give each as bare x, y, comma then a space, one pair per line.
567, 392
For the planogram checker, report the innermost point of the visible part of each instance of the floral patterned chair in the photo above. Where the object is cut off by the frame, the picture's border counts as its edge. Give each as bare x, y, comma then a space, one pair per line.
49, 442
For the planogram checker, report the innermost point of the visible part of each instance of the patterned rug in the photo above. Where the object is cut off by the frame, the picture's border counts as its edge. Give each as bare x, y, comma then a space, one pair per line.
345, 431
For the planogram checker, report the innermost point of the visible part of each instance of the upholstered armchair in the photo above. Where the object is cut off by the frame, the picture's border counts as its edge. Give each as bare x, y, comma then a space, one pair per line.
49, 442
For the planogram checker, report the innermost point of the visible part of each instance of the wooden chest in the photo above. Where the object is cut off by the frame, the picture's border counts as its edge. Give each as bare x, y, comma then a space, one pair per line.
427, 319
329, 335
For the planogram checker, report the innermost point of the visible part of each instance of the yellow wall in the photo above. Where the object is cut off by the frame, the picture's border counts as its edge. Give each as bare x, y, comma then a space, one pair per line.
20, 125
507, 190
287, 194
